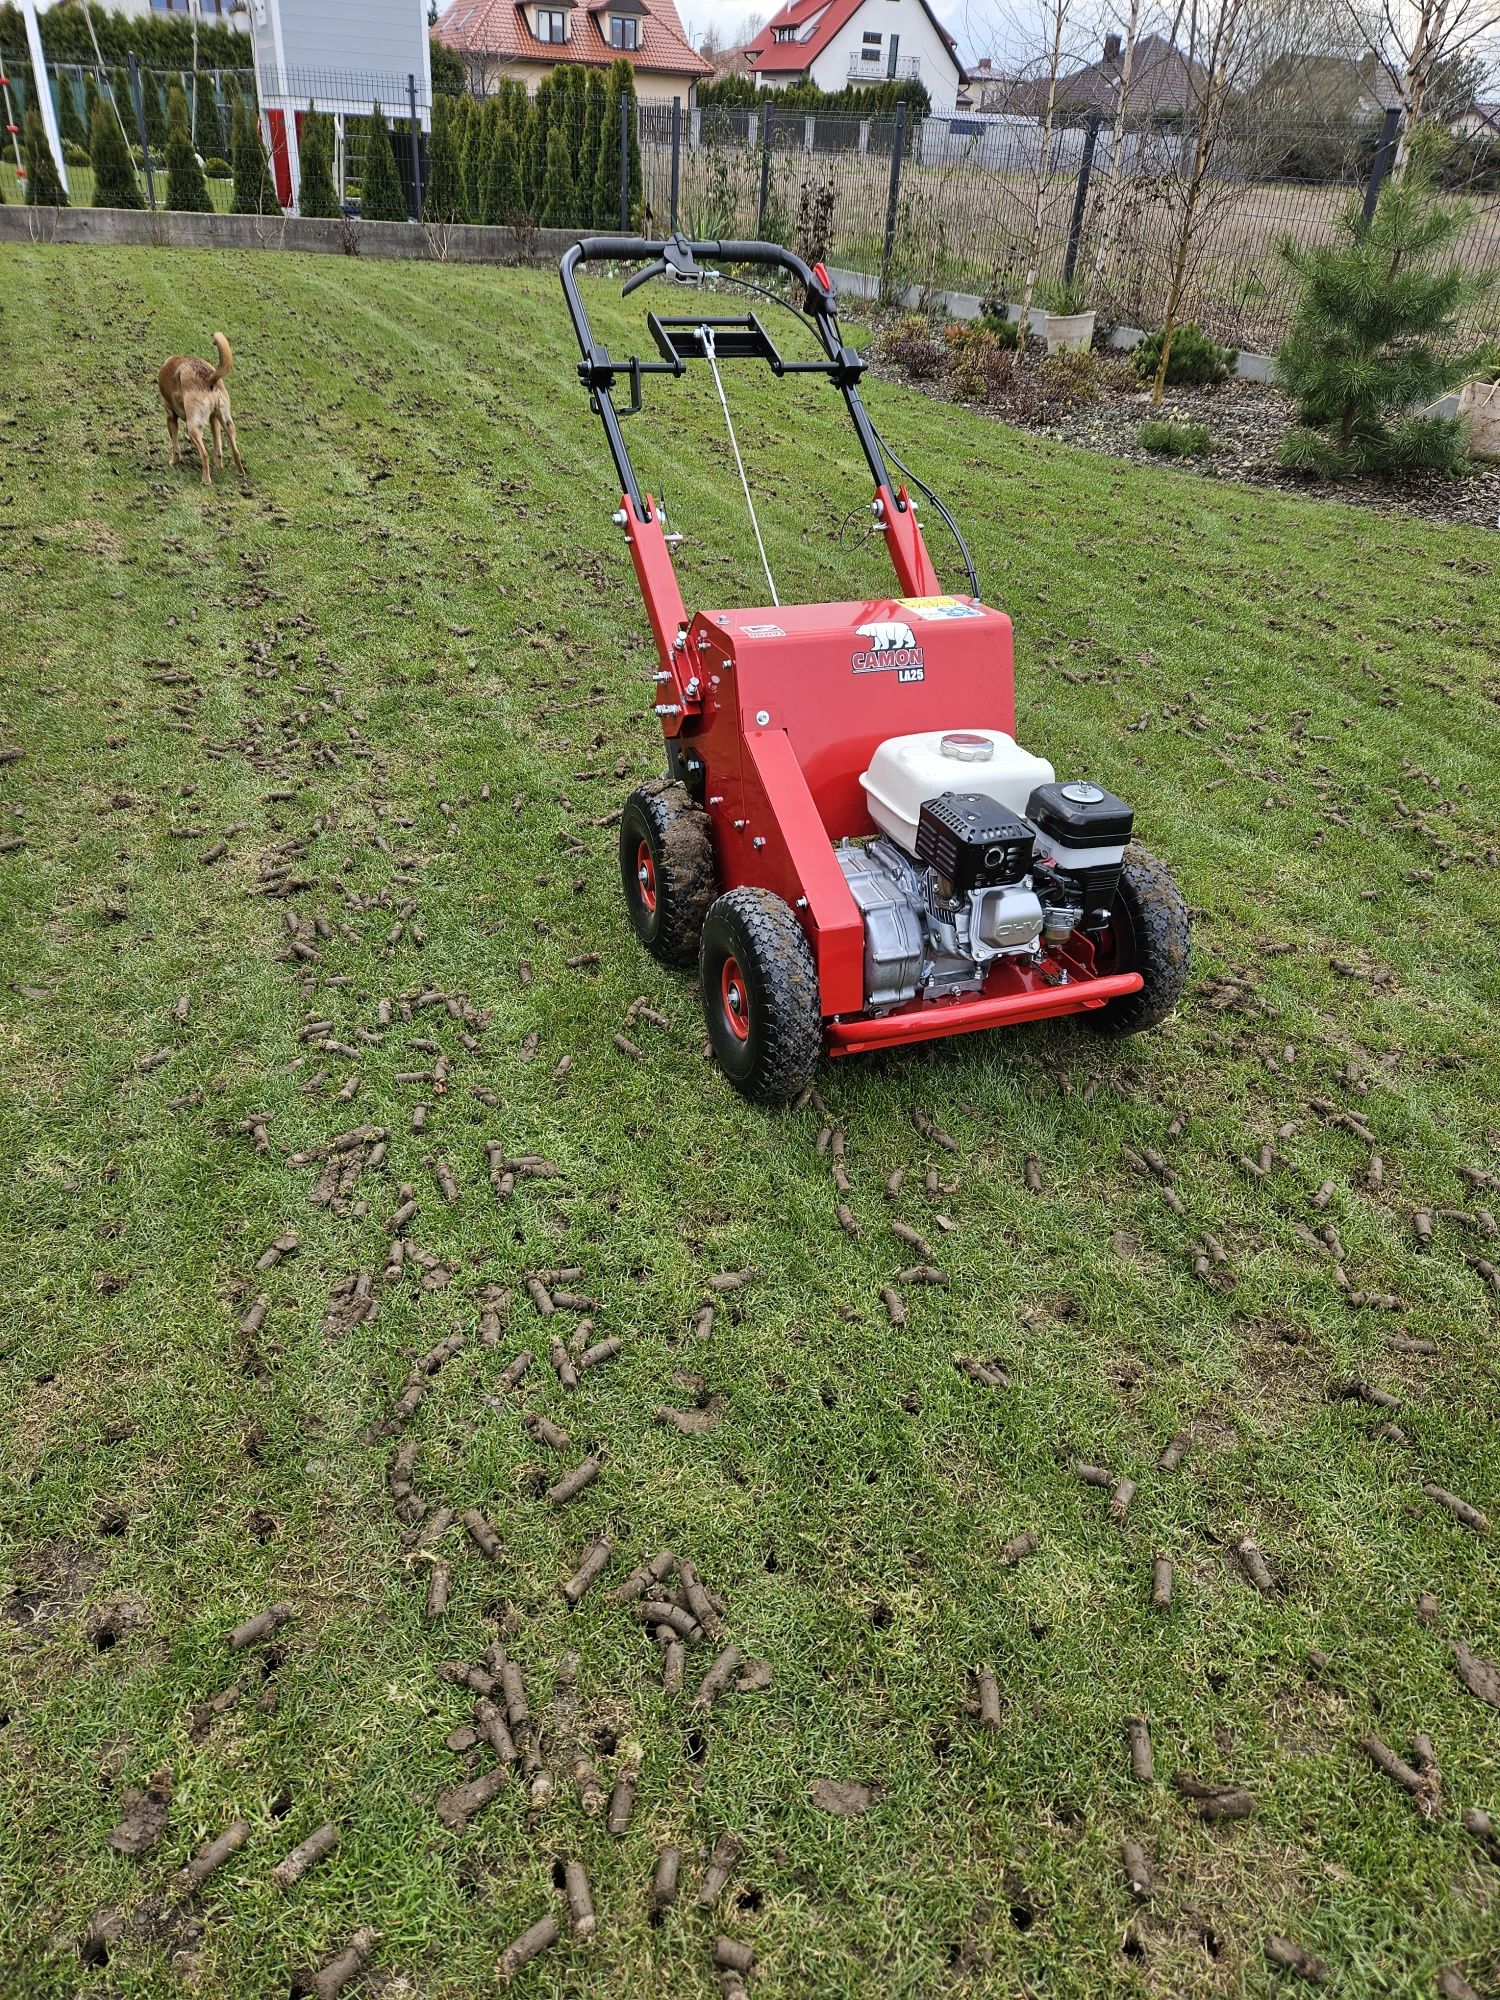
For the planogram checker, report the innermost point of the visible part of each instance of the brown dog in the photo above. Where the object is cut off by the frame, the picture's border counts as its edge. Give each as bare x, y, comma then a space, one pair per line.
195, 395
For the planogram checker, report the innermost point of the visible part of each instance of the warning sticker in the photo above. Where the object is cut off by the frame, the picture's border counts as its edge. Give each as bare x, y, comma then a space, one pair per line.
763, 631
937, 608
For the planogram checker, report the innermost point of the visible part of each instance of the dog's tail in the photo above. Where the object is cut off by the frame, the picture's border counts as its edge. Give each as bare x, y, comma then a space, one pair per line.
226, 357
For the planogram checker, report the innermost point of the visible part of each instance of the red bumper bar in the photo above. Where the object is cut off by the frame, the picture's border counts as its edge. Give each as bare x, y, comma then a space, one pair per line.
928, 1020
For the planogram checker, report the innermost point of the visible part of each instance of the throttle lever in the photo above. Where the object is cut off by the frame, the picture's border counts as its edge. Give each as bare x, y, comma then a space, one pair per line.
656, 270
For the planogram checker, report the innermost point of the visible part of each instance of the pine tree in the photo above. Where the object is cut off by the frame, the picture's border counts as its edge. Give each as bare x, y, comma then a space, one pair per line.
254, 190
208, 128
575, 99
90, 99
556, 204
381, 198
491, 142
442, 198
502, 195
44, 189
596, 96
317, 194
620, 102
69, 124
1372, 337
115, 184
186, 187
534, 168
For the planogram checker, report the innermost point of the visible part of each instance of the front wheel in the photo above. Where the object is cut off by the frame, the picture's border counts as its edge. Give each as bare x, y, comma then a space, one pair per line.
1147, 933
760, 996
666, 869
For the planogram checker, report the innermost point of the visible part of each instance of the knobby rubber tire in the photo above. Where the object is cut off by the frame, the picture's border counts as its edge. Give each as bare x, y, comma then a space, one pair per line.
778, 1056
674, 827
1148, 934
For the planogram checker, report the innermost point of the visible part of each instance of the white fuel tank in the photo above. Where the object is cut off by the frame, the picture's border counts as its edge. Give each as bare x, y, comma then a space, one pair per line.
907, 770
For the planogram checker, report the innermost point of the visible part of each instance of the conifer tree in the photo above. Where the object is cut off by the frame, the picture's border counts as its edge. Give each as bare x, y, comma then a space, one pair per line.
69, 124
157, 124
596, 97
186, 187
115, 184
490, 121
575, 99
442, 198
316, 192
90, 99
44, 189
208, 129
503, 201
556, 205
1373, 334
538, 125
620, 102
381, 197
473, 161
254, 191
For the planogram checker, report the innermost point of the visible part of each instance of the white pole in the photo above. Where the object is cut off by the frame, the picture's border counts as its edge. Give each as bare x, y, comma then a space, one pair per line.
43, 90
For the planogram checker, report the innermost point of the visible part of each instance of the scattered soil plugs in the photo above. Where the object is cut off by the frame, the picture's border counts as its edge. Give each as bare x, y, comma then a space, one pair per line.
1295, 1958
295, 1865
345, 1965
522, 1950
214, 1854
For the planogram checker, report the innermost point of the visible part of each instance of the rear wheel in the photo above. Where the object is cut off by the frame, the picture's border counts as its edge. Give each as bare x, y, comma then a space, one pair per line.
666, 869
1147, 933
760, 996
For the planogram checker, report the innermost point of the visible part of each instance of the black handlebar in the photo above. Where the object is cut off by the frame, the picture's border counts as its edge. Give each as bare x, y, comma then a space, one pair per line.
680, 257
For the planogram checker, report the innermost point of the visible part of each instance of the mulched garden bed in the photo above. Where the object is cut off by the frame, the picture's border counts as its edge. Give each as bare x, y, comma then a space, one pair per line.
1247, 420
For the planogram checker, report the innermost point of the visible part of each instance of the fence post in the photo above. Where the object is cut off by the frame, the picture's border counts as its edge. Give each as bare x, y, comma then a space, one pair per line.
416, 144
765, 170
897, 143
625, 166
140, 120
1380, 166
676, 157
1081, 194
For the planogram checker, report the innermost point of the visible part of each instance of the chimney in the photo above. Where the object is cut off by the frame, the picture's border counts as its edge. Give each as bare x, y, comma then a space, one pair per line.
1111, 48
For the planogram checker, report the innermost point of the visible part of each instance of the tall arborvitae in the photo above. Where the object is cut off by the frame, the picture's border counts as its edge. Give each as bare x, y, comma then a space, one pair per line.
208, 128
186, 187
556, 206
538, 125
619, 103
472, 159
90, 99
69, 124
381, 197
316, 194
596, 97
44, 189
575, 100
492, 129
157, 122
442, 198
115, 184
503, 201
254, 190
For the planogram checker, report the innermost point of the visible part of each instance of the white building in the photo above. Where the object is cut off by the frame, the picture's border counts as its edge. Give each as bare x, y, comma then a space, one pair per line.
833, 43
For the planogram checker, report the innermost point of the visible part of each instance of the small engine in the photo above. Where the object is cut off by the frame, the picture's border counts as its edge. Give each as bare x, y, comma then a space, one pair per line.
981, 883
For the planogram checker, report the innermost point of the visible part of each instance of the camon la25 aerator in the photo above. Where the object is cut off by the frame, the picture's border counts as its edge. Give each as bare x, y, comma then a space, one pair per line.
849, 839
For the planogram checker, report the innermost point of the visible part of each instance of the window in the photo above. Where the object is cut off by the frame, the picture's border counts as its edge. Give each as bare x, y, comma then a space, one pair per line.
624, 31
786, 34
551, 25
873, 41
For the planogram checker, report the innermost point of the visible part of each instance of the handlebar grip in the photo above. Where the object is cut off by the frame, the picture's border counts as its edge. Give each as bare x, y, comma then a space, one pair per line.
656, 270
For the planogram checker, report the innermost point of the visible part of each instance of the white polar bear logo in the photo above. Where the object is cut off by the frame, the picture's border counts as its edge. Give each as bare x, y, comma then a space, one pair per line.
887, 635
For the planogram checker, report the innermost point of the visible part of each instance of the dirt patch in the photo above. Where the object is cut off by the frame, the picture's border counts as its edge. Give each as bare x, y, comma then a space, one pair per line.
51, 1586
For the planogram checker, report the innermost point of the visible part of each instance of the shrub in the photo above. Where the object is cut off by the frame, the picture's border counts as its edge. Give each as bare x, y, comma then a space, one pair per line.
913, 347
979, 366
1169, 440
115, 184
44, 188
1063, 295
442, 198
316, 194
1066, 381
208, 127
218, 170
381, 196
502, 173
1372, 336
76, 156
186, 187
1195, 360
1006, 331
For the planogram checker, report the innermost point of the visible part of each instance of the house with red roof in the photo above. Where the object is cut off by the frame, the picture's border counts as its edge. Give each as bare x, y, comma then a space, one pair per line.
527, 39
834, 43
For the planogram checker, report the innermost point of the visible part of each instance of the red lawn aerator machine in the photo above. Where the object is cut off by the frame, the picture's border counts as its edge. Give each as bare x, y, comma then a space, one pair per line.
849, 839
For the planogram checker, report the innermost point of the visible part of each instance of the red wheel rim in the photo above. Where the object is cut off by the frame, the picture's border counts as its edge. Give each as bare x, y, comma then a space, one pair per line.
736, 1004
645, 875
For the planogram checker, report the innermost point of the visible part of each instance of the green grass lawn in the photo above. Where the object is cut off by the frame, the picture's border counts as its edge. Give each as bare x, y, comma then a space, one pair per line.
81, 186
408, 664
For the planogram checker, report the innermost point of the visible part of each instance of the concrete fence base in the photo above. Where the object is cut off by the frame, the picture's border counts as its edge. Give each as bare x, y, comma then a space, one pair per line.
426, 242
